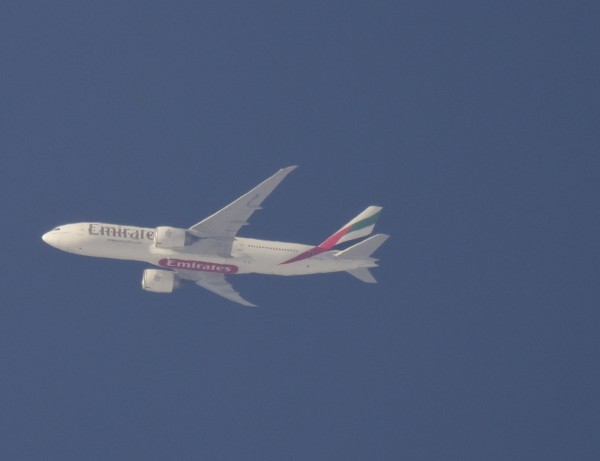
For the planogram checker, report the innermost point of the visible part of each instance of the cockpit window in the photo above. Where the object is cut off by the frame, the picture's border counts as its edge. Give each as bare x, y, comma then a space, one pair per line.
56, 229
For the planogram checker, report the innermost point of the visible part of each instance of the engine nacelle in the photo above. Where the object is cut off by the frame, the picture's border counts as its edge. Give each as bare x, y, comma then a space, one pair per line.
158, 281
169, 238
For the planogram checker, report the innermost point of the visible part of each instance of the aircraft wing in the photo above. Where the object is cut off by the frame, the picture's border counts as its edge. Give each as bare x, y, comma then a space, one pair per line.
217, 284
218, 231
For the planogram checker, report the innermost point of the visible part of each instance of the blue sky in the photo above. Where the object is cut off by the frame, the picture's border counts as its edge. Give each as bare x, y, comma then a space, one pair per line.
475, 126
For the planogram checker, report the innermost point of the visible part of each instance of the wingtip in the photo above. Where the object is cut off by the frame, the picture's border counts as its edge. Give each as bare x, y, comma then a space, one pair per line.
244, 302
247, 303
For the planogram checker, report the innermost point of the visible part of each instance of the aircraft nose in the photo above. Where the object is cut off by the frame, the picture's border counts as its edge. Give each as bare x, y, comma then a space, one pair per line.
50, 238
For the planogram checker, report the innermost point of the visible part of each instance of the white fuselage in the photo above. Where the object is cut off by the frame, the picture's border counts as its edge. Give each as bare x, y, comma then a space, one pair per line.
247, 255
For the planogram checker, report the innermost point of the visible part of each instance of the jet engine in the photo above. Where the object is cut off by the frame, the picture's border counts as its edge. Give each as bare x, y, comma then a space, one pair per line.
158, 281
169, 238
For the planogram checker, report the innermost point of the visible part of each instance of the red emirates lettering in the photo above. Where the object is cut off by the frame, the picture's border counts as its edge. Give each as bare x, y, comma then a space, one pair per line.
201, 266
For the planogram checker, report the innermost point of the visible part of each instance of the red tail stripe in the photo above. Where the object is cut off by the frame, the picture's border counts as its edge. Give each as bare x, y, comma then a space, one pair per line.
307, 254
334, 239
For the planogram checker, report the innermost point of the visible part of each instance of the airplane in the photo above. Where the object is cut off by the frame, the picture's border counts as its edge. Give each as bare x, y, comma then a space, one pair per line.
210, 250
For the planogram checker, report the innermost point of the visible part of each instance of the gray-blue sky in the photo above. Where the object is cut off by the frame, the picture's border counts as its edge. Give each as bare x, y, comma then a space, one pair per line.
473, 124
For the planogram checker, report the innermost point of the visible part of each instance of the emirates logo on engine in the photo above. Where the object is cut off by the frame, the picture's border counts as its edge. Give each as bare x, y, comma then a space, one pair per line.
201, 266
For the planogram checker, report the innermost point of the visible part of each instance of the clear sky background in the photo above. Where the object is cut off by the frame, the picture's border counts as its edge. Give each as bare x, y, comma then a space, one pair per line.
474, 124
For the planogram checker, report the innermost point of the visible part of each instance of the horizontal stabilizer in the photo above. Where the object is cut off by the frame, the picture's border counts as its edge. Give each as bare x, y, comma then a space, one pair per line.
363, 274
364, 249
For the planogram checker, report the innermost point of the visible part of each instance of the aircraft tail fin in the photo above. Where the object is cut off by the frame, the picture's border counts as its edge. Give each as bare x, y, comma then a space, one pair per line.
361, 226
364, 249
363, 275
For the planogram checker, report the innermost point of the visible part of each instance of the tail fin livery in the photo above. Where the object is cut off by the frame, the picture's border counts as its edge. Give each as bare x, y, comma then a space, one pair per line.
360, 226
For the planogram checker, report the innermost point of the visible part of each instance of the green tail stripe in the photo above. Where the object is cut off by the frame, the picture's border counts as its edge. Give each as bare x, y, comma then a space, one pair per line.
365, 222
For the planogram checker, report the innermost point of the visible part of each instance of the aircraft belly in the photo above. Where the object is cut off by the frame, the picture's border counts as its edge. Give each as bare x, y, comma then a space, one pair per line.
306, 267
185, 261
